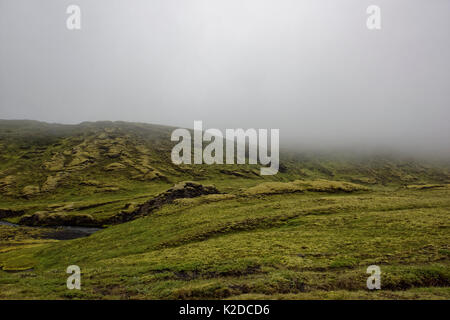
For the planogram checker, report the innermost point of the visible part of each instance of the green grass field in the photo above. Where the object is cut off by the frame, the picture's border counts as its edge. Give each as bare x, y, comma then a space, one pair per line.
309, 232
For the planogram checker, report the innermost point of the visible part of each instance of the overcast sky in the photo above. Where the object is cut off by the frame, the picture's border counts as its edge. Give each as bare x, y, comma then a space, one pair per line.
308, 67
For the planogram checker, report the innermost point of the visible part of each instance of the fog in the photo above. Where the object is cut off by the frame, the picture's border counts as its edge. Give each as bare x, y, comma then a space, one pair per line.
309, 68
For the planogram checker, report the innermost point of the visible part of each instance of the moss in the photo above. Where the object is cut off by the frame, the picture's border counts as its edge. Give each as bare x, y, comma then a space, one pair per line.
30, 190
343, 262
426, 276
52, 182
304, 233
56, 163
115, 166
429, 186
19, 263
303, 186
204, 199
59, 219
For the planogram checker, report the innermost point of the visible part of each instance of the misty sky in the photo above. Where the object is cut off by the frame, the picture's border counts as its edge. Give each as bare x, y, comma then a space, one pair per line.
308, 67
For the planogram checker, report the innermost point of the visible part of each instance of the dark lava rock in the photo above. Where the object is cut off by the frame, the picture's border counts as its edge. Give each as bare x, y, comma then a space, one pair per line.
56, 219
186, 189
8, 213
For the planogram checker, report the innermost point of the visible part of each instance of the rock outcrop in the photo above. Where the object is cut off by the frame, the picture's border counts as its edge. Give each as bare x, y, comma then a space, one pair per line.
58, 219
186, 189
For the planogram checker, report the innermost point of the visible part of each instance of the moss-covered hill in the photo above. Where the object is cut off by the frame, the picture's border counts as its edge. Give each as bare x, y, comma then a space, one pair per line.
294, 241
308, 232
98, 169
41, 159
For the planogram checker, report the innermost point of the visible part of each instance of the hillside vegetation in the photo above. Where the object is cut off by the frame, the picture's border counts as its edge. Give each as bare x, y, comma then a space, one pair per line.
188, 232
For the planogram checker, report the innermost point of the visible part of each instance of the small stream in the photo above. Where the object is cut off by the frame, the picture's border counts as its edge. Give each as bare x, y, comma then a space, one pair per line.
60, 232
4, 223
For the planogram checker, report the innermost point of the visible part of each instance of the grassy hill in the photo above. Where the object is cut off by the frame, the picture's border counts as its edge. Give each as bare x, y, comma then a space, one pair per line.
100, 168
308, 232
91, 168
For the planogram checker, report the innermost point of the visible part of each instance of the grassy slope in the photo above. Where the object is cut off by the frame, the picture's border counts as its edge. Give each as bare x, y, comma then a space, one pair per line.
298, 245
95, 168
271, 240
101, 168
